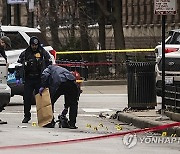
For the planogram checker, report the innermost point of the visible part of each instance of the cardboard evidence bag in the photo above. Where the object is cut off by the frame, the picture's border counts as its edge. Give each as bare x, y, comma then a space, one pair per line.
44, 108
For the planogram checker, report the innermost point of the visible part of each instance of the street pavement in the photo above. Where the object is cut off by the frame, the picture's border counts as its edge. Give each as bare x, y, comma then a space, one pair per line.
100, 114
139, 118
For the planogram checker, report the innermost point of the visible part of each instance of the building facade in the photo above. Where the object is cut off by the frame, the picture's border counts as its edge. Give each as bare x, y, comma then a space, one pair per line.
142, 28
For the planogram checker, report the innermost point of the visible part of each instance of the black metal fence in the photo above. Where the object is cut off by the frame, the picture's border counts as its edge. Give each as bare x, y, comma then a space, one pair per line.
95, 70
101, 66
80, 66
172, 97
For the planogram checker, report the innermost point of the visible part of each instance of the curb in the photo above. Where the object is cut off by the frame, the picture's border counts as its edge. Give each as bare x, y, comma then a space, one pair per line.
141, 123
172, 115
104, 82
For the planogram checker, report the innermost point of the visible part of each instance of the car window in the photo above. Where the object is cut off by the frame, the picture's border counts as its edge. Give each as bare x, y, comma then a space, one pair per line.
17, 41
174, 39
40, 37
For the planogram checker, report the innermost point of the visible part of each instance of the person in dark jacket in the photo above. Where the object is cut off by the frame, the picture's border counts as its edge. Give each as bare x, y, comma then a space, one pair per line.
60, 81
4, 43
34, 60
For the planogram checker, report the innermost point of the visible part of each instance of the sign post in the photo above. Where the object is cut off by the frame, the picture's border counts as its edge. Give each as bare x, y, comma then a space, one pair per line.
163, 8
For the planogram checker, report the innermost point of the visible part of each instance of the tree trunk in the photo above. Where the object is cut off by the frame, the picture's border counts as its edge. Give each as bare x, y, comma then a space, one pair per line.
120, 58
54, 24
43, 15
72, 30
115, 18
102, 39
30, 17
102, 35
83, 25
4, 12
17, 14
117, 25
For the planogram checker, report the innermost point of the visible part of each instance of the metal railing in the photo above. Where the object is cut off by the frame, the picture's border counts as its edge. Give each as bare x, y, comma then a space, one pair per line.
102, 64
172, 97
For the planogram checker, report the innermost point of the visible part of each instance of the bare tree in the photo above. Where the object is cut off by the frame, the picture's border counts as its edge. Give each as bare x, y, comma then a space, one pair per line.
43, 15
29, 17
102, 40
4, 12
115, 18
71, 9
101, 23
83, 24
54, 24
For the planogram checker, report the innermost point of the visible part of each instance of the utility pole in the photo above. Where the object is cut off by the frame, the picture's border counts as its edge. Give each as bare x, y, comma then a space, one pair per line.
164, 8
8, 15
32, 19
17, 14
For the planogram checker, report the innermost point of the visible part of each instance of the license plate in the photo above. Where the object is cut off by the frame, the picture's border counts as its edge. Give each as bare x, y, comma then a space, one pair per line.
169, 80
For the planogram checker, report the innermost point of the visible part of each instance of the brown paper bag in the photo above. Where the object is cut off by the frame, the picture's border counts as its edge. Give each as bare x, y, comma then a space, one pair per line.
44, 108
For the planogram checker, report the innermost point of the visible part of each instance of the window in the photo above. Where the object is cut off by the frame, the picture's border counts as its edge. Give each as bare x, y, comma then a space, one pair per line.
175, 38
17, 41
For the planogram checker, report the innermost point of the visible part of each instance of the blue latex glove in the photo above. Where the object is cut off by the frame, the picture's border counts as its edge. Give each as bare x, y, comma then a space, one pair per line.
41, 90
18, 82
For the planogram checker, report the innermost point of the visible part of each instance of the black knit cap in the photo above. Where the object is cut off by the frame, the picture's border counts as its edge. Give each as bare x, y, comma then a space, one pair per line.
34, 40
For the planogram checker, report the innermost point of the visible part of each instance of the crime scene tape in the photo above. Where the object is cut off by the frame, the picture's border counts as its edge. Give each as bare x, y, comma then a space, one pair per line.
151, 129
79, 81
105, 51
86, 64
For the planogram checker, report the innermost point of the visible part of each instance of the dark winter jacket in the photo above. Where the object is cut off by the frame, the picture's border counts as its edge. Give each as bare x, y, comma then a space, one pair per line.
54, 75
2, 53
33, 66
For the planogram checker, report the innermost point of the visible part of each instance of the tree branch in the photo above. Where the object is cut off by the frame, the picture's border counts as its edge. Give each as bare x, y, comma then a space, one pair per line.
103, 8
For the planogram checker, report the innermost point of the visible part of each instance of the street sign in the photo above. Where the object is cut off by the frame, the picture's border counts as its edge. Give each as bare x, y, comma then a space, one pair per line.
16, 1
165, 7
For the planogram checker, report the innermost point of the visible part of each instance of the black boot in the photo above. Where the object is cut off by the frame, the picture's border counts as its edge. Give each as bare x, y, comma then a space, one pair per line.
2, 122
63, 121
50, 125
72, 125
26, 119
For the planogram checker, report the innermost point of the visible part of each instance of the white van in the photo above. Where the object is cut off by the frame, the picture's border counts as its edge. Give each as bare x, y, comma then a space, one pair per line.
20, 37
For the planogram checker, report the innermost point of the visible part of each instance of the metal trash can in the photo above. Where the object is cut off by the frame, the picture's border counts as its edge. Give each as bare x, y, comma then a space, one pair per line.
141, 85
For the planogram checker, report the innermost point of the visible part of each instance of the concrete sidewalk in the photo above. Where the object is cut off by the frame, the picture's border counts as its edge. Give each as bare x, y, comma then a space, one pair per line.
104, 82
141, 118
150, 118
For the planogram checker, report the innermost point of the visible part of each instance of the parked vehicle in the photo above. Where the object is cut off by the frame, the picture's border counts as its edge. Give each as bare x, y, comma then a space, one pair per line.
5, 91
20, 37
172, 60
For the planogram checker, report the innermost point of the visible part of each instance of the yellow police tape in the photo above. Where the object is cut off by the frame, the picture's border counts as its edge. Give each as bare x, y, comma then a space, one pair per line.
79, 81
105, 51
